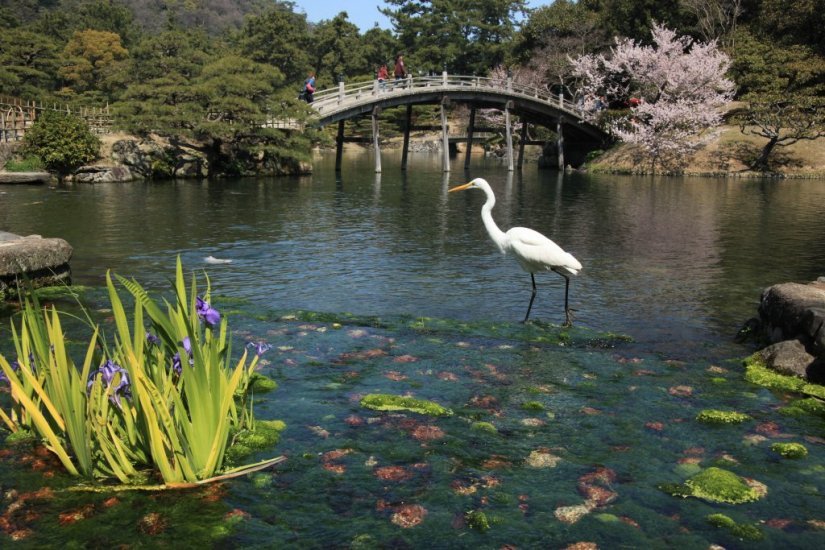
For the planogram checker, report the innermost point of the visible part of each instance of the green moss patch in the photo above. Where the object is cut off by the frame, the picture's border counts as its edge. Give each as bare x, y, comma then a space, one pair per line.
266, 434
718, 485
713, 416
790, 450
739, 530
387, 402
758, 373
477, 520
532, 406
262, 384
483, 427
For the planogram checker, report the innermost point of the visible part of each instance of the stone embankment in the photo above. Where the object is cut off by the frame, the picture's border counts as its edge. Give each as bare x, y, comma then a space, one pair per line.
792, 320
43, 262
25, 177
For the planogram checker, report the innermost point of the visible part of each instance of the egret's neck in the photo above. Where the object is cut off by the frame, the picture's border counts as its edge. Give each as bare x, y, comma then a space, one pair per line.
496, 234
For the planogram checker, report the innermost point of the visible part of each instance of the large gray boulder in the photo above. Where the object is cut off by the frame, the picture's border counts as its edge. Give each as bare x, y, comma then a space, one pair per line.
793, 314
44, 262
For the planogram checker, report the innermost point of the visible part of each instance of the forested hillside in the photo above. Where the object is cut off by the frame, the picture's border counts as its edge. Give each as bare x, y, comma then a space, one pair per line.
194, 69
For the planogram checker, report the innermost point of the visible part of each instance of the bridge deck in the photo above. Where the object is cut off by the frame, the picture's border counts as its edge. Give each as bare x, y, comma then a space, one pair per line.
356, 99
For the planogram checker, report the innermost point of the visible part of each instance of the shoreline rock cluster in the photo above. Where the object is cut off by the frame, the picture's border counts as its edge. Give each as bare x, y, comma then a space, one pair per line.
40, 261
792, 321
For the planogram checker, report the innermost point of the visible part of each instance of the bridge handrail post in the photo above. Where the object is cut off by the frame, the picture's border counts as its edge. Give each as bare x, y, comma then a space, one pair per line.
340, 89
444, 76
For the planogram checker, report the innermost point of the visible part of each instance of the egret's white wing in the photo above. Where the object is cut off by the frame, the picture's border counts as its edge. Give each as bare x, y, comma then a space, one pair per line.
535, 252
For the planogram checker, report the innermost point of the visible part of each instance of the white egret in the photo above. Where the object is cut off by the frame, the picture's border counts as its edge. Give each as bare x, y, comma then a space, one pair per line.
533, 251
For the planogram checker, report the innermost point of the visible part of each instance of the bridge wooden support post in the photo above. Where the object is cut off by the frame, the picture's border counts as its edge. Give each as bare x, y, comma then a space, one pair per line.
375, 112
339, 146
406, 147
560, 142
508, 134
445, 138
522, 140
470, 129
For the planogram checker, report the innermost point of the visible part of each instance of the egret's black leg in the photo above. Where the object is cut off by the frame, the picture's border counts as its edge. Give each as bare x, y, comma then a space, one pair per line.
532, 297
568, 313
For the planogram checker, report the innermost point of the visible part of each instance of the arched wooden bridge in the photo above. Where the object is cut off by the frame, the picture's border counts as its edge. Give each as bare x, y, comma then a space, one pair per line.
531, 105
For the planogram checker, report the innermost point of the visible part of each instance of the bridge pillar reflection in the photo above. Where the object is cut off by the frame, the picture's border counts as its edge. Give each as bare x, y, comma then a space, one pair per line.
508, 132
445, 138
406, 147
470, 129
375, 112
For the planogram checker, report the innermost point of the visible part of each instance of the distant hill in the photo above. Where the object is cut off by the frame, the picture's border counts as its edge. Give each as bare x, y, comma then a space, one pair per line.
213, 15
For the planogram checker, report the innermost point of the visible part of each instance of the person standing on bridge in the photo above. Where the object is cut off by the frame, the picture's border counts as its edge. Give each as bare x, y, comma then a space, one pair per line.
400, 69
383, 76
309, 88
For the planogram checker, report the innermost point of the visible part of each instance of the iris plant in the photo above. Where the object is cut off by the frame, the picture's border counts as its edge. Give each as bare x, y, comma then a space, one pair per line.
210, 315
107, 373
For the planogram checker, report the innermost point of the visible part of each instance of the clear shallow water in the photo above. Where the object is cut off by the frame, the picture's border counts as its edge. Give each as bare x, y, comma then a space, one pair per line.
677, 264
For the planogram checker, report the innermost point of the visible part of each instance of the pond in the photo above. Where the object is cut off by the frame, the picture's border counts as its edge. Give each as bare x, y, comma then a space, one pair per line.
385, 283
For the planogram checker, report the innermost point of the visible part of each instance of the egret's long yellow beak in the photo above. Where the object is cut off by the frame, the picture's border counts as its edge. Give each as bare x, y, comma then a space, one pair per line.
460, 187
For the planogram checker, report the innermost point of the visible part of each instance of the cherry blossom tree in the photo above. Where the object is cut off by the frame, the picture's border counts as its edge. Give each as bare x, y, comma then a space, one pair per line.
675, 89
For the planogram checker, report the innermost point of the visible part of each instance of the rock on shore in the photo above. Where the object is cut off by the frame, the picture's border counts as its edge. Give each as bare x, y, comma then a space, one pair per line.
792, 320
44, 262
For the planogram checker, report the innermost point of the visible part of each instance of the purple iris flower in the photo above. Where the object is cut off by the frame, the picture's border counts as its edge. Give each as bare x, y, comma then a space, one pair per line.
107, 372
152, 339
176, 365
206, 312
260, 347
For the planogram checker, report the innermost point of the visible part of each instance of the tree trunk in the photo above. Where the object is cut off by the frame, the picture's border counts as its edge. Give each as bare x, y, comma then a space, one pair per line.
761, 163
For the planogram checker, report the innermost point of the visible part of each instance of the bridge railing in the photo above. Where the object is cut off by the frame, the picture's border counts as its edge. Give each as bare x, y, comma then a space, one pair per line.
17, 116
348, 93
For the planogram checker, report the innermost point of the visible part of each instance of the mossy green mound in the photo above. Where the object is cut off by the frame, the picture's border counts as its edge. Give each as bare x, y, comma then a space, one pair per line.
790, 450
533, 406
477, 520
266, 434
262, 384
758, 373
802, 407
739, 530
718, 485
713, 416
388, 402
484, 427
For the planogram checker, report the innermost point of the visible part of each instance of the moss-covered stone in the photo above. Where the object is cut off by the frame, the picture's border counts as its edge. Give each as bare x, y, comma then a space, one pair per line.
756, 372
476, 519
532, 406
808, 405
483, 427
739, 530
718, 485
790, 450
713, 416
262, 384
388, 402
20, 437
266, 434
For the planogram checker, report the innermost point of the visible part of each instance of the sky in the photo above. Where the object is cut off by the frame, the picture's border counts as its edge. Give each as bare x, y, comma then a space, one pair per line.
363, 13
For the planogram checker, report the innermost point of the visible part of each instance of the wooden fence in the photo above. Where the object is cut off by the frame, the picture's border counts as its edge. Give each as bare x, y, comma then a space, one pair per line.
17, 116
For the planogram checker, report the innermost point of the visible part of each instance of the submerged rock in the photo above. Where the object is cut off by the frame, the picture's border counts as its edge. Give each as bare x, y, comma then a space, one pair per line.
792, 319
718, 485
388, 402
41, 262
790, 450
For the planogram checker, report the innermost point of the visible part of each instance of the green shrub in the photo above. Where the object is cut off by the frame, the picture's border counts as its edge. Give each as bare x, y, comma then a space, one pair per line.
63, 142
